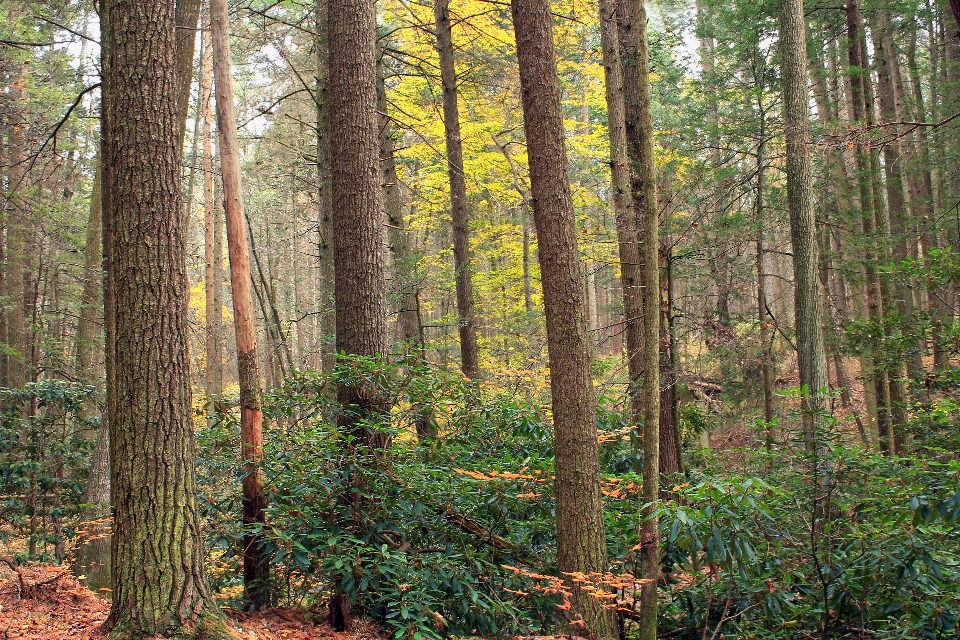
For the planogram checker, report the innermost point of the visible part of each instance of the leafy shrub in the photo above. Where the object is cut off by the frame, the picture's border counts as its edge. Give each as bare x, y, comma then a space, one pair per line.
46, 431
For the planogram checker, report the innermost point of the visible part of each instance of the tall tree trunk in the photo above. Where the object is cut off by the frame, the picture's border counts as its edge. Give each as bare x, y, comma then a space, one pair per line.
469, 359
803, 234
581, 542
213, 254
628, 236
187, 16
360, 285
256, 566
859, 80
646, 172
159, 586
325, 275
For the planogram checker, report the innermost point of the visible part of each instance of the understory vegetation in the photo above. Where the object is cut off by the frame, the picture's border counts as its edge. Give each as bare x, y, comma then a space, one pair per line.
453, 534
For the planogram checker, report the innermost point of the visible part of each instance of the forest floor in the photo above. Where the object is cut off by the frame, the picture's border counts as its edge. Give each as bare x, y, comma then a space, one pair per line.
45, 602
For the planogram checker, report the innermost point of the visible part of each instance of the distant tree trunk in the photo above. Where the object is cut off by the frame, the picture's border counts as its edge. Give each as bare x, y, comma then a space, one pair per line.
469, 362
581, 543
803, 234
159, 586
187, 16
763, 315
256, 566
86, 344
628, 236
328, 318
213, 252
16, 243
93, 556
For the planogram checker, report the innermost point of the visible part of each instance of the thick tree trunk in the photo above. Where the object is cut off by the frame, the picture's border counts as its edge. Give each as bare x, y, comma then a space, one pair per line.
803, 234
581, 543
469, 359
256, 566
159, 586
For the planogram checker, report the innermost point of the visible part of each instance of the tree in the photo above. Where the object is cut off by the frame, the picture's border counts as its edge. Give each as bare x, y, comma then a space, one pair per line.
256, 567
213, 254
652, 335
460, 218
803, 233
159, 586
581, 543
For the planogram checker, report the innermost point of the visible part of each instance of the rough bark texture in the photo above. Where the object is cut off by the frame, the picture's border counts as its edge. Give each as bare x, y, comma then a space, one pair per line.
159, 585
628, 236
581, 545
256, 567
803, 235
652, 356
469, 359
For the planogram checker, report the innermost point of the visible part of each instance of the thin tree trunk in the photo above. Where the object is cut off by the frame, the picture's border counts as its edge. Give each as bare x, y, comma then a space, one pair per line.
581, 543
469, 362
646, 172
211, 212
325, 275
256, 565
92, 287
159, 586
628, 237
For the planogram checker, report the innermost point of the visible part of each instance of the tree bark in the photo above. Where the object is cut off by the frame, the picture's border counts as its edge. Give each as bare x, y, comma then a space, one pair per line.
628, 236
256, 566
159, 586
213, 254
803, 234
325, 275
469, 359
646, 172
581, 542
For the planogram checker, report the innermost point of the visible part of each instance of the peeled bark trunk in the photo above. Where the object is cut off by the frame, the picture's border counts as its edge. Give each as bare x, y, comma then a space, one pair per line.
159, 586
803, 234
469, 359
581, 543
256, 566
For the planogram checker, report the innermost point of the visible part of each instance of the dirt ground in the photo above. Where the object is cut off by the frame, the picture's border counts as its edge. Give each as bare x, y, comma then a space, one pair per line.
45, 602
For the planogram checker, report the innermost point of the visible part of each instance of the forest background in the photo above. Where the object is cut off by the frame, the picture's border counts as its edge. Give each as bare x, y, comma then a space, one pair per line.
749, 544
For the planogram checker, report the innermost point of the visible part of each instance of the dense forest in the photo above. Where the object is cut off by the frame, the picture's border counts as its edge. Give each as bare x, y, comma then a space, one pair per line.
482, 318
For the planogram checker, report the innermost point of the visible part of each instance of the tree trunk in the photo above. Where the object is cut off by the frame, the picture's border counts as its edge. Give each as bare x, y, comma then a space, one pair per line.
187, 16
92, 286
803, 234
469, 360
646, 172
211, 213
325, 275
628, 236
159, 586
581, 543
256, 566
